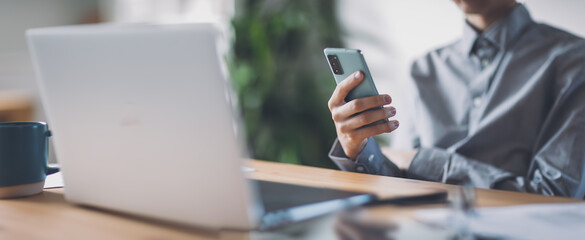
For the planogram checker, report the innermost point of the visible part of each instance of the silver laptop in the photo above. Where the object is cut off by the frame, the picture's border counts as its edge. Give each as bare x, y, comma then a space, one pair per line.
142, 123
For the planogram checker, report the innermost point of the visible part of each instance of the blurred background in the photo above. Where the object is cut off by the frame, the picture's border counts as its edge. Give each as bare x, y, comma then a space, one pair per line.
273, 49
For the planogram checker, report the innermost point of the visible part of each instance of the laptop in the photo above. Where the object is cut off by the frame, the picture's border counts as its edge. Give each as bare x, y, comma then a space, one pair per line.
143, 123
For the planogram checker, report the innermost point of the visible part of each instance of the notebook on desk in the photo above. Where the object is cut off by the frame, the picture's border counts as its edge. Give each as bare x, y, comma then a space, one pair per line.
143, 123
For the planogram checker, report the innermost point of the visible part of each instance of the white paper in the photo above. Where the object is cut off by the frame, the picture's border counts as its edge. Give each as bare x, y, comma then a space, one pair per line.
536, 221
54, 180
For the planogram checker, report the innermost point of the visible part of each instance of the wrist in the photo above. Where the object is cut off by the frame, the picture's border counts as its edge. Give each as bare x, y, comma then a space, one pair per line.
354, 154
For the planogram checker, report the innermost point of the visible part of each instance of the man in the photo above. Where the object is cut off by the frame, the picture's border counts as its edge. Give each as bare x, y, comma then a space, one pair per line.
503, 107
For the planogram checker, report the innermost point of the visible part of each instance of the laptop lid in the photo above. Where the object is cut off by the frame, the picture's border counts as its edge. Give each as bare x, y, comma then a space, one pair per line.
142, 121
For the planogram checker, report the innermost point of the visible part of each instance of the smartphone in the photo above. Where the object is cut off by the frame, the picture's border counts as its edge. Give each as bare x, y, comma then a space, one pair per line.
344, 62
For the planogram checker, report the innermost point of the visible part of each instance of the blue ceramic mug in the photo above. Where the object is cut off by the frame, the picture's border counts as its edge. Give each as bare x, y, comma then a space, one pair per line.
23, 158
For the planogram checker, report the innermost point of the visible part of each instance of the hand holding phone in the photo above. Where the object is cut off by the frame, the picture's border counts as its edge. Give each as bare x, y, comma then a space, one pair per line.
356, 107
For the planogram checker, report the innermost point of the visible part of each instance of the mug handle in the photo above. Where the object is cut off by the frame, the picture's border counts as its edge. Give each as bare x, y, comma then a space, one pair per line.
51, 170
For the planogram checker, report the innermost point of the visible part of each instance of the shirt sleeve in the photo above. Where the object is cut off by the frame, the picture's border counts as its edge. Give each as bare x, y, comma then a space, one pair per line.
370, 160
435, 164
557, 166
557, 169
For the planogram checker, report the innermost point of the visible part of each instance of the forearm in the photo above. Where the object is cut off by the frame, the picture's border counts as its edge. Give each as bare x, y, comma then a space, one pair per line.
435, 164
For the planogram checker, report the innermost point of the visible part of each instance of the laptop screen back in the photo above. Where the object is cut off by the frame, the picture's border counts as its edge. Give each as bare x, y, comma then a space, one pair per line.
142, 121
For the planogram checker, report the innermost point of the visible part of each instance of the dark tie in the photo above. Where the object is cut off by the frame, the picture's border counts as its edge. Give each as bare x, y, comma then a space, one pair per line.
485, 51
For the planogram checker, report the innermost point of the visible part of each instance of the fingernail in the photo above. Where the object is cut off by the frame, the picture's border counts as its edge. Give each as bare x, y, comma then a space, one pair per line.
393, 111
394, 124
387, 99
358, 74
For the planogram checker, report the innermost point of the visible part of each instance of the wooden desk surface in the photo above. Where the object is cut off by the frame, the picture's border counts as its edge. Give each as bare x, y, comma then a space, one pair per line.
48, 216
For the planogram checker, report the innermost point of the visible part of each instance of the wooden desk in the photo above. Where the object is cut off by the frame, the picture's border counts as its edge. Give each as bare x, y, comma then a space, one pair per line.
48, 216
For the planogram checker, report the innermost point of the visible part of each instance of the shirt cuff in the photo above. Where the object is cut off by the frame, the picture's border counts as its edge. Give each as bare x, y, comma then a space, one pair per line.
429, 164
370, 160
340, 159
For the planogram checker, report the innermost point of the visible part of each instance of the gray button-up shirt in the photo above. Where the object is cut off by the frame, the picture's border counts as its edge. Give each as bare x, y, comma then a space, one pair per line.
501, 109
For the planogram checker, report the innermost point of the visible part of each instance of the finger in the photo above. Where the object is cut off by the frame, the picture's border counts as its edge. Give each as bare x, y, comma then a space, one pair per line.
343, 88
366, 118
363, 104
374, 130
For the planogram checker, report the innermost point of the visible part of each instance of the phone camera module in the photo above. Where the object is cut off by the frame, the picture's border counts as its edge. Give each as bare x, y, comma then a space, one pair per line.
334, 63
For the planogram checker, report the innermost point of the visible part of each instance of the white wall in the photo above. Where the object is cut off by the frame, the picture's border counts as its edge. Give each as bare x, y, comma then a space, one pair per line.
565, 14
392, 33
16, 72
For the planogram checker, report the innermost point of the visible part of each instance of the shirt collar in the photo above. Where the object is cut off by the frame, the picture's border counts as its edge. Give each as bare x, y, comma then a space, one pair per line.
499, 33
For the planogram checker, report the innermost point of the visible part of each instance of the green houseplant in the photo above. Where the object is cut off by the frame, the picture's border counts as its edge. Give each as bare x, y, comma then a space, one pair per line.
282, 79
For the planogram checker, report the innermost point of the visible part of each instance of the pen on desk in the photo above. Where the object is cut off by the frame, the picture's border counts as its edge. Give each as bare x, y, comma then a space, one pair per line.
433, 198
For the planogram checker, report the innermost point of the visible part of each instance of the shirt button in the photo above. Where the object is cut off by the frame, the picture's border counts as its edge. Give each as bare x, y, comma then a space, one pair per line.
484, 63
371, 158
477, 102
360, 169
